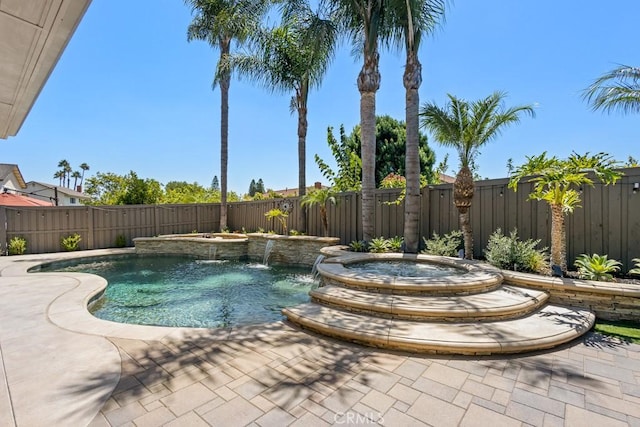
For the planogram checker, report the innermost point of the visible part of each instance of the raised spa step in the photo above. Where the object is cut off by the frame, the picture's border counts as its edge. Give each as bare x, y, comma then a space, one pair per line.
502, 303
473, 277
546, 328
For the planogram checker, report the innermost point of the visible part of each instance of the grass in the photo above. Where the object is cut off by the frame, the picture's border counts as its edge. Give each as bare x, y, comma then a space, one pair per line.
629, 331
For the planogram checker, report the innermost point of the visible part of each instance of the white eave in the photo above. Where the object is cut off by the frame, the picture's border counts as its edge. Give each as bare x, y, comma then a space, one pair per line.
33, 35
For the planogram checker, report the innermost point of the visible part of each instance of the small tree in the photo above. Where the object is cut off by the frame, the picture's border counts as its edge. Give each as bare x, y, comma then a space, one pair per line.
320, 197
557, 181
279, 215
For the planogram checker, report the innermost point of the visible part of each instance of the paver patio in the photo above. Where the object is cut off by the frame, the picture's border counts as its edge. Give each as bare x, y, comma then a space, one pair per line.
277, 375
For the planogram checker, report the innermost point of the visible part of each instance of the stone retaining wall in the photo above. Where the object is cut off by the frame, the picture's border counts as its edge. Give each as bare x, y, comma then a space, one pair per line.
290, 250
610, 301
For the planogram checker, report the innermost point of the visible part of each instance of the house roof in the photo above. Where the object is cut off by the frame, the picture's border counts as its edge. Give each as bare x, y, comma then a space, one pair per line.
64, 190
10, 199
7, 169
447, 179
33, 35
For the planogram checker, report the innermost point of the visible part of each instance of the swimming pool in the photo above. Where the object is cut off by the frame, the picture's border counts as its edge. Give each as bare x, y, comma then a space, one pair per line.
178, 291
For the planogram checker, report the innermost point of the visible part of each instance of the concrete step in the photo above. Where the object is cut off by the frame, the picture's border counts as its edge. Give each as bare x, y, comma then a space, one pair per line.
502, 303
545, 328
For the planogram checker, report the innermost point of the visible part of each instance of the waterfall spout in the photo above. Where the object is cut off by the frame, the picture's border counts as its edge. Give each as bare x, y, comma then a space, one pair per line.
267, 251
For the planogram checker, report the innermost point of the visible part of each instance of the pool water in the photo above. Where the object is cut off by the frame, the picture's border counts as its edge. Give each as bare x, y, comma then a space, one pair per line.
177, 291
404, 269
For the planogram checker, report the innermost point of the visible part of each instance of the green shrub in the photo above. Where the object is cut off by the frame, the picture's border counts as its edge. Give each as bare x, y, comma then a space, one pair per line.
395, 243
358, 246
446, 245
71, 242
379, 245
121, 241
636, 270
511, 253
596, 267
17, 246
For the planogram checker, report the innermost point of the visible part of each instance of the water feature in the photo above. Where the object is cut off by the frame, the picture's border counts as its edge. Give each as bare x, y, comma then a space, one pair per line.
267, 251
213, 250
179, 291
314, 268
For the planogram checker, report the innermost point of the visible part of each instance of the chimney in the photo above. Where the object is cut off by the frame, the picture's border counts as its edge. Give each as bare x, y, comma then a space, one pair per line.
317, 185
79, 188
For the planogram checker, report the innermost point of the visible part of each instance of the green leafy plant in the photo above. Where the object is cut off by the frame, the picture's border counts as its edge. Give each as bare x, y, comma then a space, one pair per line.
379, 245
596, 267
446, 245
17, 246
121, 241
71, 242
296, 233
635, 270
395, 243
280, 215
358, 246
511, 253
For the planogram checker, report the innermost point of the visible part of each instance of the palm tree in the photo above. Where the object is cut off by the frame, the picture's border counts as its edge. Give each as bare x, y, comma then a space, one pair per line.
60, 176
292, 58
75, 175
218, 22
467, 127
364, 20
412, 19
84, 167
66, 170
321, 197
619, 89
556, 181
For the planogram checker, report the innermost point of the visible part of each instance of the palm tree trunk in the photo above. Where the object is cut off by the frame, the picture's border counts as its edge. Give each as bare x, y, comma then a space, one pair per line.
225, 82
325, 222
558, 237
368, 84
462, 195
412, 79
302, 156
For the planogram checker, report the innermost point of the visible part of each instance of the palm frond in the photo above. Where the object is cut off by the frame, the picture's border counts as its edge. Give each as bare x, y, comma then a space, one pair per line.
616, 90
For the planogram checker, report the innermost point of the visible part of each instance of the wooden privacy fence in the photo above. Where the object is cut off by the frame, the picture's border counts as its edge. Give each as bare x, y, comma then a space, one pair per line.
608, 222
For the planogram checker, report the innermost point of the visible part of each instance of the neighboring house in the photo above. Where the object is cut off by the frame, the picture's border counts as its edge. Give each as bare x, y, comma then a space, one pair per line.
66, 196
11, 179
446, 179
293, 192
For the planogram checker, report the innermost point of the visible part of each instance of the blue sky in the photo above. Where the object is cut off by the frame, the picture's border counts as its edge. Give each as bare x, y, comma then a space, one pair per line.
130, 93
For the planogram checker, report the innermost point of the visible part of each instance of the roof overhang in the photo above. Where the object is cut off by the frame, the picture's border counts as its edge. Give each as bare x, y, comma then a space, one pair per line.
33, 35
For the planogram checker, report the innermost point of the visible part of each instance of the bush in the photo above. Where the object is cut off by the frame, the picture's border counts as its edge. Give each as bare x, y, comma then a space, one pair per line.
511, 253
636, 270
121, 241
358, 246
446, 245
596, 267
379, 245
395, 243
17, 246
71, 242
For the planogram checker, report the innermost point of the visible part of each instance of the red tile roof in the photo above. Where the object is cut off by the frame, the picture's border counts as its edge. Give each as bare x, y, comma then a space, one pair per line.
9, 199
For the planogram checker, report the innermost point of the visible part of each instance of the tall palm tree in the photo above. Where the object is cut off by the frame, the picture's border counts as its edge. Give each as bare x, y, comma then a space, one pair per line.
467, 127
411, 20
321, 197
556, 181
60, 176
219, 22
292, 58
618, 89
75, 175
84, 167
364, 20
66, 169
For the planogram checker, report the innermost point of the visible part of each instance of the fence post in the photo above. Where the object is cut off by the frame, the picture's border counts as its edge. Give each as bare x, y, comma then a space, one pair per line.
3, 230
90, 228
156, 219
